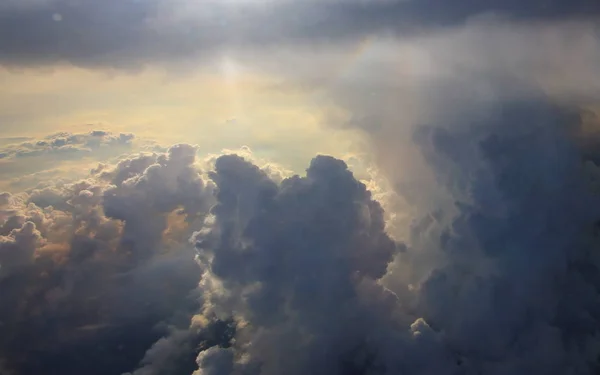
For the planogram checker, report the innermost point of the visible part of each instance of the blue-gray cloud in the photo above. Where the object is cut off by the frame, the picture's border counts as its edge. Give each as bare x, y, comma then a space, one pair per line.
301, 275
509, 285
99, 268
132, 33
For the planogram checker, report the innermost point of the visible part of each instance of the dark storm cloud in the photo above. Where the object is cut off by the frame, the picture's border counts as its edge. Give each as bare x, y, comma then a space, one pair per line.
516, 243
131, 33
511, 281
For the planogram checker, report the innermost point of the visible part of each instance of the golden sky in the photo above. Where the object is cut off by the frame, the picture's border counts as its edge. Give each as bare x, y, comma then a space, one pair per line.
223, 106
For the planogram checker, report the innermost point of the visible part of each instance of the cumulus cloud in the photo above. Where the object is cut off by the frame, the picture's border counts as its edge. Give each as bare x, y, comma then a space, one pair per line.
484, 137
97, 267
144, 200
488, 158
295, 266
487, 263
491, 170
497, 275
18, 247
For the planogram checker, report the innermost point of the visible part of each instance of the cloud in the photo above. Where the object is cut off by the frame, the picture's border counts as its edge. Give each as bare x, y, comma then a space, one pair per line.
62, 144
98, 268
18, 247
304, 274
483, 134
173, 354
130, 34
486, 265
293, 264
170, 182
486, 160
511, 241
496, 276
59, 156
458, 76
489, 163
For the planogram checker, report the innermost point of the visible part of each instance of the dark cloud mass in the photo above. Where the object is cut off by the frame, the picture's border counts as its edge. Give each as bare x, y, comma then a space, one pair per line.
479, 257
298, 265
132, 33
518, 246
95, 271
499, 274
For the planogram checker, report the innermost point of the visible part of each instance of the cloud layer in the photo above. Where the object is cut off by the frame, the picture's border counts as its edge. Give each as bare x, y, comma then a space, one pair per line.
64, 143
132, 33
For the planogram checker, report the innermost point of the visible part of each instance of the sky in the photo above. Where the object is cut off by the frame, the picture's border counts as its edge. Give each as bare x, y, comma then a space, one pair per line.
269, 187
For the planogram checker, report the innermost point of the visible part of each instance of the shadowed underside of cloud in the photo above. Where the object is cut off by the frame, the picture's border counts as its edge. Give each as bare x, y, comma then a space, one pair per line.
132, 33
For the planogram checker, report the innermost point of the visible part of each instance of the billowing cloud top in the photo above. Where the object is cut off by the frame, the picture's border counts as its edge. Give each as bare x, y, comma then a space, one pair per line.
297, 266
98, 258
302, 275
479, 257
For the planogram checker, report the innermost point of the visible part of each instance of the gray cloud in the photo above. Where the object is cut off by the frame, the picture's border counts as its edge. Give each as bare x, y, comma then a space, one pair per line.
478, 131
486, 159
132, 33
512, 245
18, 247
99, 268
143, 201
497, 274
486, 155
483, 135
503, 255
293, 264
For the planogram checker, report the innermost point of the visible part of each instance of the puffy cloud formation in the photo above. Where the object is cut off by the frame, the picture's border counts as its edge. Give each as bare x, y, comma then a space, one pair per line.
489, 161
295, 266
495, 274
487, 265
18, 247
498, 274
143, 200
96, 270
